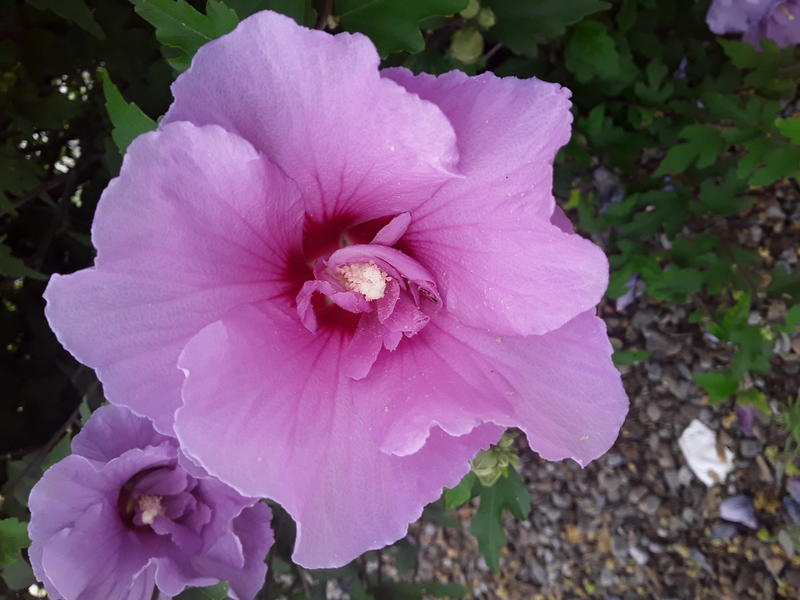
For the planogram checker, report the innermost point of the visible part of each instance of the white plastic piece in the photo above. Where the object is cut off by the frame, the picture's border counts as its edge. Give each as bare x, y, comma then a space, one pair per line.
709, 462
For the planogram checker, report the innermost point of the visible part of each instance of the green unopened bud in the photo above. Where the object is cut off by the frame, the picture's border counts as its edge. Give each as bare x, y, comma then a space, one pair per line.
472, 9
486, 18
489, 465
467, 45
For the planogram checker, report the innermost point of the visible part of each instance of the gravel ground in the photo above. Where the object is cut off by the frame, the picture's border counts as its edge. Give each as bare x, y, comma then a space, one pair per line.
637, 523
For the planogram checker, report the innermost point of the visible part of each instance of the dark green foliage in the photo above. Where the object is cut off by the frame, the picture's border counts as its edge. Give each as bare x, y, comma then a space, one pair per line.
128, 119
392, 25
524, 24
13, 538
180, 26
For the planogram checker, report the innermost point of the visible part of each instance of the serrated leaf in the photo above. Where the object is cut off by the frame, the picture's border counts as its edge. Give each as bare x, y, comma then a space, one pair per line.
214, 592
508, 493
754, 351
769, 160
13, 267
13, 538
653, 92
75, 11
722, 200
521, 26
591, 53
462, 493
720, 386
394, 26
703, 145
178, 25
128, 119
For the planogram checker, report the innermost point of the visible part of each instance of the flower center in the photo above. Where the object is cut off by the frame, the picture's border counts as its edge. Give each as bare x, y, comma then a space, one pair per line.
365, 278
149, 507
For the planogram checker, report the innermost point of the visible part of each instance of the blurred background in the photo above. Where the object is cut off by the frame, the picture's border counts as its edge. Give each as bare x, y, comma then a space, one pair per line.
683, 166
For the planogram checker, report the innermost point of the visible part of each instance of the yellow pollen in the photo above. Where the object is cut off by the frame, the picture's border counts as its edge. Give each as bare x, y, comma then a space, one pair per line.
366, 279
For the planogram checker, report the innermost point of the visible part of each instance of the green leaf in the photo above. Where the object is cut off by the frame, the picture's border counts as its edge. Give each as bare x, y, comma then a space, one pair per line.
398, 590
591, 53
178, 25
628, 357
791, 419
299, 10
522, 25
722, 200
405, 556
75, 11
214, 592
753, 397
674, 283
17, 575
765, 65
436, 513
128, 119
487, 524
790, 128
13, 267
13, 538
785, 282
391, 24
719, 385
704, 144
653, 92
768, 160
462, 493
755, 349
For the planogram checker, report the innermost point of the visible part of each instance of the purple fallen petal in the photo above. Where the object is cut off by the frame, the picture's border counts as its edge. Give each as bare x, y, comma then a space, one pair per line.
793, 487
739, 509
792, 509
745, 416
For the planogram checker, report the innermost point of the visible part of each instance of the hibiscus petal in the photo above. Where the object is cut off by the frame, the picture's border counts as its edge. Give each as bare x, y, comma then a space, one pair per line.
500, 265
196, 223
303, 438
255, 536
317, 106
560, 388
113, 431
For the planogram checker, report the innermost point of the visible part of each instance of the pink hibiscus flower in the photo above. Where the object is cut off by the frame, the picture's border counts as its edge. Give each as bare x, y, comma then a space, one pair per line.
336, 284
